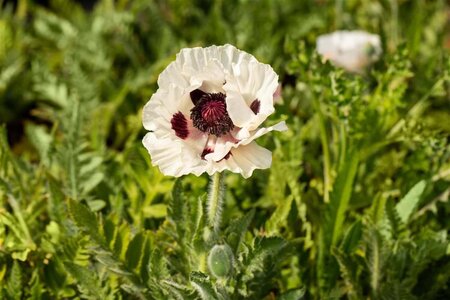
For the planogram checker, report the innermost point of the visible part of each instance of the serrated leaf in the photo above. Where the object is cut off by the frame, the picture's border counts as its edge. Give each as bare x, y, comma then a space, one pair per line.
90, 183
203, 285
196, 218
87, 279
40, 139
237, 229
36, 287
93, 164
121, 240
157, 265
176, 290
135, 251
352, 238
374, 256
85, 220
295, 294
349, 273
392, 220
269, 245
176, 207
279, 216
14, 282
409, 203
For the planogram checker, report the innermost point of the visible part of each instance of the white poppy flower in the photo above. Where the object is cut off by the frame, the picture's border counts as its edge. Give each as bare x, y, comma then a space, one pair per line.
351, 50
207, 110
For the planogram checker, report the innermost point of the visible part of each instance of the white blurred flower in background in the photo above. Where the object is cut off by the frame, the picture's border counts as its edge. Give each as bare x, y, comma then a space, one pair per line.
207, 112
351, 50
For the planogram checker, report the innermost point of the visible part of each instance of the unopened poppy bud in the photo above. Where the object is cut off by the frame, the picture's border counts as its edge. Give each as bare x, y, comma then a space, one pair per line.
220, 261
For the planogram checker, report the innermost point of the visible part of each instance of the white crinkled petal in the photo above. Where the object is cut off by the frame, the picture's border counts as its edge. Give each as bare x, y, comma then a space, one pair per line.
245, 159
174, 158
190, 62
281, 126
247, 83
164, 104
224, 145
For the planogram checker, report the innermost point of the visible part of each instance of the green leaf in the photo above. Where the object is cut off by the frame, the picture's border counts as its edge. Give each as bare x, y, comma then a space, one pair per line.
348, 270
96, 205
295, 294
203, 286
85, 220
236, 230
352, 238
135, 251
157, 265
176, 208
40, 139
409, 203
279, 216
340, 197
375, 258
36, 286
14, 282
87, 279
196, 218
395, 225
155, 211
90, 183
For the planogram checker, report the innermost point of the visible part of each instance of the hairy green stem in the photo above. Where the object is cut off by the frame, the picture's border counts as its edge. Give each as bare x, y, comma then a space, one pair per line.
215, 200
326, 153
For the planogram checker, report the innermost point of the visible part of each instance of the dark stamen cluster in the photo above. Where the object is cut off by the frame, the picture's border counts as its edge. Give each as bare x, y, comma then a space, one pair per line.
210, 113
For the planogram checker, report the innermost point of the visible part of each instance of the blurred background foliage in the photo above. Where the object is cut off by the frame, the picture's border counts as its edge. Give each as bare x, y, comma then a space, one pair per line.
355, 205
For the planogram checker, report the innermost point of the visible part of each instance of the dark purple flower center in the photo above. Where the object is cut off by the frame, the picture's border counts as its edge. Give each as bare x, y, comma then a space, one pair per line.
210, 113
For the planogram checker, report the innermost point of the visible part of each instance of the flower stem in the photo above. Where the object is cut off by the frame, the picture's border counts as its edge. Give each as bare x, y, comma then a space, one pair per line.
343, 144
215, 200
326, 152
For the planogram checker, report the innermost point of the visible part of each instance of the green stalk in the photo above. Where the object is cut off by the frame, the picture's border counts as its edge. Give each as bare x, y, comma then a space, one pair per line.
326, 153
343, 143
394, 22
338, 5
344, 188
331, 228
215, 200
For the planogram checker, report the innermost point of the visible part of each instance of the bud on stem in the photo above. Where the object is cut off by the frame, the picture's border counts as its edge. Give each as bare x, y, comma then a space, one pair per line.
220, 261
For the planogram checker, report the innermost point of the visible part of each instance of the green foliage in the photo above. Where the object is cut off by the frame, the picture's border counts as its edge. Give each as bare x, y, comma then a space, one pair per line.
355, 205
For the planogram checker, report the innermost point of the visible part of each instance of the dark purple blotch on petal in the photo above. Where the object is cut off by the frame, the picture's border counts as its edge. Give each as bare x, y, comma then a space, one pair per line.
227, 156
180, 125
206, 151
255, 106
196, 95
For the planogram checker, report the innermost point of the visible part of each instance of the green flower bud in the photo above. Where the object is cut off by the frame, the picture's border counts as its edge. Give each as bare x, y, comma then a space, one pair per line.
220, 261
